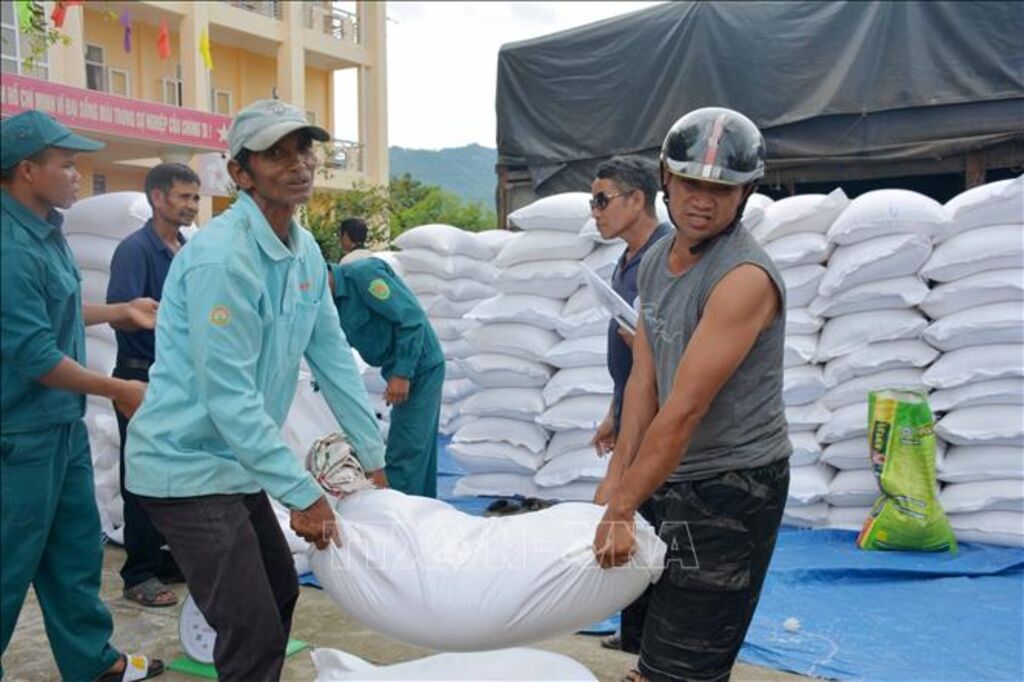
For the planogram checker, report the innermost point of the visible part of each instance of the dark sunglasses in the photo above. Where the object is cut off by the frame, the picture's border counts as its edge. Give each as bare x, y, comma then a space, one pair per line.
600, 201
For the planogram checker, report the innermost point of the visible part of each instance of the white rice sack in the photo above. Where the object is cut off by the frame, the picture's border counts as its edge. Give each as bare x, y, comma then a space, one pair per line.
542, 245
802, 385
847, 518
100, 354
113, 215
453, 370
999, 247
582, 316
496, 429
496, 485
333, 665
977, 363
604, 258
583, 464
806, 417
802, 248
994, 203
577, 491
521, 340
969, 463
93, 252
851, 454
579, 412
578, 381
801, 213
494, 240
556, 279
856, 390
799, 350
880, 258
878, 357
753, 212
539, 311
802, 283
993, 286
439, 306
94, 285
456, 290
898, 292
987, 425
476, 583
590, 232
568, 441
849, 333
446, 267
804, 515
998, 527
457, 389
444, 239
510, 403
563, 212
884, 212
845, 423
496, 370
588, 351
806, 449
802, 321
999, 495
976, 393
452, 328
809, 484
582, 300
456, 349
495, 458
993, 323
857, 488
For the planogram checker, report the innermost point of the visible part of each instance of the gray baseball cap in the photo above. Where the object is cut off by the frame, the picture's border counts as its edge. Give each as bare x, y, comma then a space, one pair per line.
261, 124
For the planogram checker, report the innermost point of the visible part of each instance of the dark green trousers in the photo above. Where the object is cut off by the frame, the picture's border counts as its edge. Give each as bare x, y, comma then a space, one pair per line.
50, 539
411, 455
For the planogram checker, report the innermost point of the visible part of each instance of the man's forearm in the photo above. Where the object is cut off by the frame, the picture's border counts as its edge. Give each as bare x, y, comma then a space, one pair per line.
68, 375
639, 410
99, 313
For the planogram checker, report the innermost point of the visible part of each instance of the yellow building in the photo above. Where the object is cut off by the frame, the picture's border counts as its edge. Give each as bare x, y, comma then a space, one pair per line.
147, 108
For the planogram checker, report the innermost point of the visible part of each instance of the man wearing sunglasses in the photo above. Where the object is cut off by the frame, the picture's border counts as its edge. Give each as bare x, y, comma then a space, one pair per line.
622, 204
703, 432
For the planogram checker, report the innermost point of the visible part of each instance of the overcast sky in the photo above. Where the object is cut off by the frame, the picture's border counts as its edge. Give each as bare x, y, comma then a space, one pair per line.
442, 64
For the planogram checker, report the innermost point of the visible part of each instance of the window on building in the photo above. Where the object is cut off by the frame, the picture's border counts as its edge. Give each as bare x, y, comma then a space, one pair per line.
171, 89
99, 184
220, 102
120, 81
17, 47
95, 68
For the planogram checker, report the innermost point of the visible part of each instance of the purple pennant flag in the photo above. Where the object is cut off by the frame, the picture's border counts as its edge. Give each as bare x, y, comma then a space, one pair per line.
126, 21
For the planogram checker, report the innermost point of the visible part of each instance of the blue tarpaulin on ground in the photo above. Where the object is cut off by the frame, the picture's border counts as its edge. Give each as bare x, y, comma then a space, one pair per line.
890, 615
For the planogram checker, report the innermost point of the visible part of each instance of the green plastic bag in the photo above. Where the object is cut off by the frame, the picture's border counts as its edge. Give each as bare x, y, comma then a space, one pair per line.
907, 515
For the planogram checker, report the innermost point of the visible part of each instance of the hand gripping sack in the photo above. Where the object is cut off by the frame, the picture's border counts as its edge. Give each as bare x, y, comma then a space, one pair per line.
907, 516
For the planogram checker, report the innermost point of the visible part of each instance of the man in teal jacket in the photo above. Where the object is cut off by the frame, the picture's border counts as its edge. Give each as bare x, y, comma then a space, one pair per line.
384, 322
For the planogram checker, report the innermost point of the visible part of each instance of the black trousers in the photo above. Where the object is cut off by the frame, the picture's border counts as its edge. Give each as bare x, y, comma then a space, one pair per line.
721, 534
142, 541
240, 573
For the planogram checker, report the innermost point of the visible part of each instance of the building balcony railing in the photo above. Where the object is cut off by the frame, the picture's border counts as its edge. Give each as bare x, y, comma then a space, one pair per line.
337, 23
268, 8
344, 155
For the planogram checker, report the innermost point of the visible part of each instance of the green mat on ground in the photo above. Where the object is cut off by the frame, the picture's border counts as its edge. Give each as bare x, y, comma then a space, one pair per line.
188, 666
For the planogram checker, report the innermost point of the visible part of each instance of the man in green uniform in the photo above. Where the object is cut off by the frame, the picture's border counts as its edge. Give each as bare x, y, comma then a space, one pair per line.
385, 323
50, 527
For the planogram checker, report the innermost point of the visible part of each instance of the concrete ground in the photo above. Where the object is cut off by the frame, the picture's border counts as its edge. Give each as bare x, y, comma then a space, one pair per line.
317, 621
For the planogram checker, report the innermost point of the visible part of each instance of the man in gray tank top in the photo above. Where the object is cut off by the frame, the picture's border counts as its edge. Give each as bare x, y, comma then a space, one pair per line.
703, 432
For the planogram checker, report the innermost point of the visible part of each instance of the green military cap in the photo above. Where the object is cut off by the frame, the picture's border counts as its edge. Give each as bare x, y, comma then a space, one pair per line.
30, 132
261, 124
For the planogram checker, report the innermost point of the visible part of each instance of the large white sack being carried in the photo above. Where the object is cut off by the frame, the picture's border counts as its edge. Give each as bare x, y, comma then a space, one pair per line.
539, 311
578, 381
885, 212
496, 370
993, 323
856, 390
844, 424
1000, 495
986, 425
993, 286
976, 393
498, 429
880, 258
999, 247
849, 333
476, 583
806, 449
446, 267
579, 465
799, 350
556, 279
969, 463
495, 457
995, 527
114, 215
809, 484
802, 248
541, 245
802, 385
568, 441
510, 403
521, 340
452, 289
566, 212
801, 213
898, 292
976, 363
853, 488
802, 283
994, 203
444, 239
505, 664
802, 321
579, 412
878, 357
588, 351
806, 417
91, 251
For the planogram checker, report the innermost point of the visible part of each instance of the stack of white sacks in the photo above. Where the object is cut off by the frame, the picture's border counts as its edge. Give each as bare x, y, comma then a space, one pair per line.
977, 307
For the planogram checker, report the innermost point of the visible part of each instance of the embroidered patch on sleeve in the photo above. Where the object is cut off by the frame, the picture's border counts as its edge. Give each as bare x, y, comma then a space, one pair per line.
380, 290
220, 315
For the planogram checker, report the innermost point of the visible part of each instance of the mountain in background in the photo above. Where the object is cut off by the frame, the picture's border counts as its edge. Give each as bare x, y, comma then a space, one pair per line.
467, 172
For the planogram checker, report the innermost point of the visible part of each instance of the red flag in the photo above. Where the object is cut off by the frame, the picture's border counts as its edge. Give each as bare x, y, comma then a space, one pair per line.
60, 11
163, 41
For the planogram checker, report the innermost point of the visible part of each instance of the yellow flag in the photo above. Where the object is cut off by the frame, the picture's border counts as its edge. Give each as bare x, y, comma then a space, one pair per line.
204, 49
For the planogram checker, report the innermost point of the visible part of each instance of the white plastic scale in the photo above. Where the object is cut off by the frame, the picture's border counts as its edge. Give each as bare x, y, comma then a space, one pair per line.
196, 635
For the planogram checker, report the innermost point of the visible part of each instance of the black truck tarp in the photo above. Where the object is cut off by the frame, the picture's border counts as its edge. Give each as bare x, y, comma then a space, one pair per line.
840, 89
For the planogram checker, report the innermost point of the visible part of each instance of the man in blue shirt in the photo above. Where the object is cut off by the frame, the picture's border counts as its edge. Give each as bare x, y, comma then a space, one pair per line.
622, 204
49, 525
244, 301
384, 322
138, 268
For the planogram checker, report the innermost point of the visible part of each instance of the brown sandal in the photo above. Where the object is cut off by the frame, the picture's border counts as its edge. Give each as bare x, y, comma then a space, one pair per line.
149, 592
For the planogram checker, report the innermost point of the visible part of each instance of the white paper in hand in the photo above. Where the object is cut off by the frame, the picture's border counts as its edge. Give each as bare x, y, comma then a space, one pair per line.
620, 310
